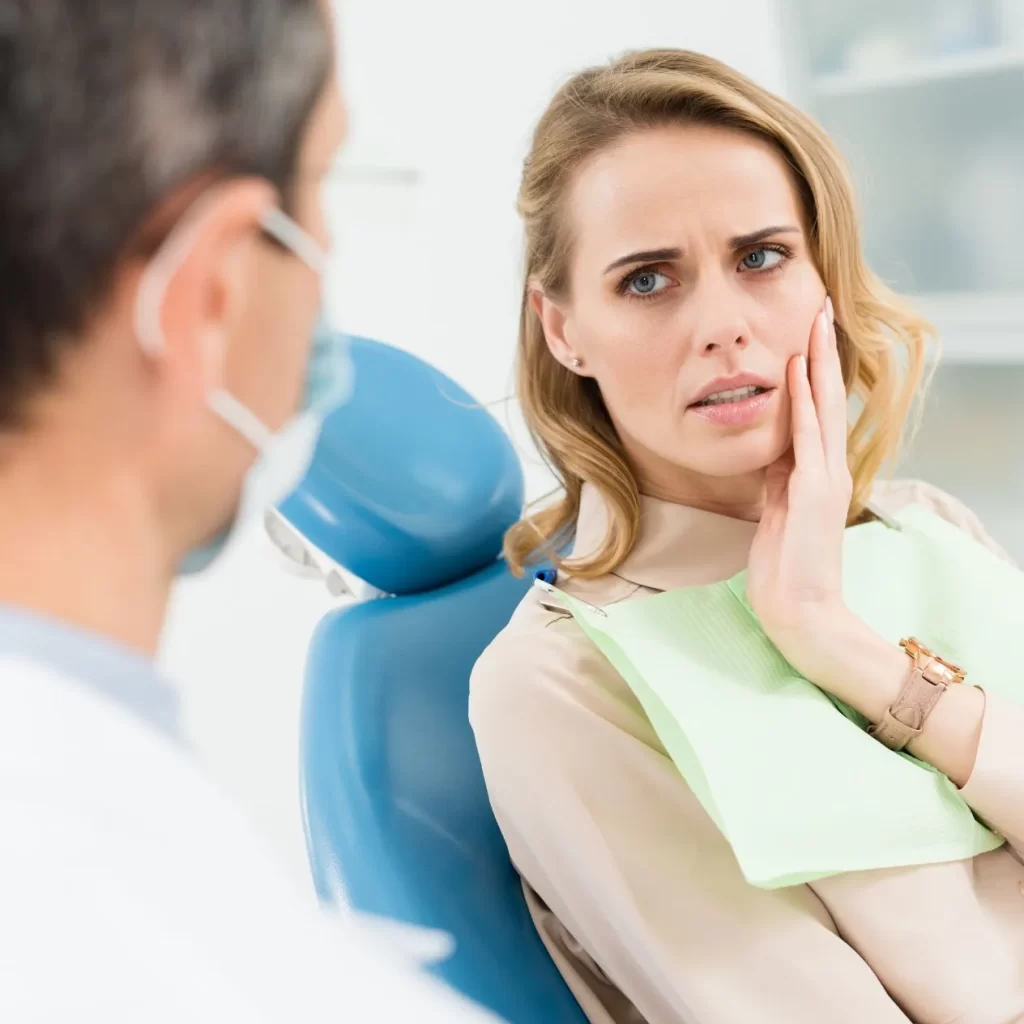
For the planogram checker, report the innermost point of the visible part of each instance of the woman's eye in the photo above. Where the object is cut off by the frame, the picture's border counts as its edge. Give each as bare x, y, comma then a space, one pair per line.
761, 259
647, 282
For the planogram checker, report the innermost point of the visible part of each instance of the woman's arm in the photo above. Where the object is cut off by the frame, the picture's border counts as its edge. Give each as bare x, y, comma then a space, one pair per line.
795, 587
605, 830
844, 656
976, 739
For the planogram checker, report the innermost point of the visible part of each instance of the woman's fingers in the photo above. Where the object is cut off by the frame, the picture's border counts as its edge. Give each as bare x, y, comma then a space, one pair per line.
807, 442
777, 479
829, 390
808, 388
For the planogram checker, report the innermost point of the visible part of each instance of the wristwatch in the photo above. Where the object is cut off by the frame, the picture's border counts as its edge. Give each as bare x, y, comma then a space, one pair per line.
929, 678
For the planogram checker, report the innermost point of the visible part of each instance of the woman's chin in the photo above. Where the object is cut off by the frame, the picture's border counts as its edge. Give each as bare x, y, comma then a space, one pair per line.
744, 455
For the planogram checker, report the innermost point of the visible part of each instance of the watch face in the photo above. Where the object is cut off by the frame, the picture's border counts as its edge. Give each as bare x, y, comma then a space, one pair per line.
914, 647
950, 673
945, 670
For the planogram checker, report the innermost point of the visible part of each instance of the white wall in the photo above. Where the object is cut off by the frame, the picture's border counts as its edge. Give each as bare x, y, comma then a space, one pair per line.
449, 89
462, 85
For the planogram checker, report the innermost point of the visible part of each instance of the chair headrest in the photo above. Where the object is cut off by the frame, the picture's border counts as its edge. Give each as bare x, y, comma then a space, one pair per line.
413, 484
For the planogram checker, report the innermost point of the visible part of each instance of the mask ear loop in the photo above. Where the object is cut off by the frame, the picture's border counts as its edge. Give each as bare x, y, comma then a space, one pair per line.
168, 261
284, 230
149, 301
276, 223
243, 419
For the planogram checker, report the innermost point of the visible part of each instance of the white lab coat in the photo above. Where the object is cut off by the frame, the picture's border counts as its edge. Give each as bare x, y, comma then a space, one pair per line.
132, 892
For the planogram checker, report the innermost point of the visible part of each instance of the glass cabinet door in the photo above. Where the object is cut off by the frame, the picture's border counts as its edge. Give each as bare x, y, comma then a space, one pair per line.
926, 100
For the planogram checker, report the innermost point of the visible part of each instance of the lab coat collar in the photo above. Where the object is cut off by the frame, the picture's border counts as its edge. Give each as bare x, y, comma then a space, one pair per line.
117, 673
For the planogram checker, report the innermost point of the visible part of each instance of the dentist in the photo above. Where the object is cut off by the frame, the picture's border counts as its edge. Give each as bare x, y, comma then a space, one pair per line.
161, 245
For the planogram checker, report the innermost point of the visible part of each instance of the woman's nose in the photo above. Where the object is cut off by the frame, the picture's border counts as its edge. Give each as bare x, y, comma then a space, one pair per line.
720, 323
739, 340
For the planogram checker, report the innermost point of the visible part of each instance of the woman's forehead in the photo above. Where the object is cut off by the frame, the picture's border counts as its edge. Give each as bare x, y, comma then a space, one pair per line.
653, 188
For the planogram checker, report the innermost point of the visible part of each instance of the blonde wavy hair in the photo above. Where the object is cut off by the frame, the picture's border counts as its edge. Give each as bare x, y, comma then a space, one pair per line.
882, 342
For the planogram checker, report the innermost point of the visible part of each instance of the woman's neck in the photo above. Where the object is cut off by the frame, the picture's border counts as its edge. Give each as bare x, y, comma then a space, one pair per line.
739, 497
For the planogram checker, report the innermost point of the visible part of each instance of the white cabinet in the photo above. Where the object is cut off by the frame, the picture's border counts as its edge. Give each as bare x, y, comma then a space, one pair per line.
926, 99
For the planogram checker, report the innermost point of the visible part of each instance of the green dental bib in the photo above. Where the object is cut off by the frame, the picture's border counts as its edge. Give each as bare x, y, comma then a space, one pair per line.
789, 774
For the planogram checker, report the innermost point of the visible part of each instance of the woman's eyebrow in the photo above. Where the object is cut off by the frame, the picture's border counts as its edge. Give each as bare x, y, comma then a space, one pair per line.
645, 256
668, 255
742, 241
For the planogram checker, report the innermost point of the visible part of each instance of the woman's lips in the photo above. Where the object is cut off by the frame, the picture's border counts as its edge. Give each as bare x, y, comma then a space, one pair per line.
735, 414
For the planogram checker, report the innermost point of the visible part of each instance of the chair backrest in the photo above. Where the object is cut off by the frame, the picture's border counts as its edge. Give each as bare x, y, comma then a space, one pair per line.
411, 490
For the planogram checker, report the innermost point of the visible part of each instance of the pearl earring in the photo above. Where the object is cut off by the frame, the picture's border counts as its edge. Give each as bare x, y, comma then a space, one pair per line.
576, 362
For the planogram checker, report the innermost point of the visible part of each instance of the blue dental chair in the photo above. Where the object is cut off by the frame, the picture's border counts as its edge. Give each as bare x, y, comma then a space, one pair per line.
411, 490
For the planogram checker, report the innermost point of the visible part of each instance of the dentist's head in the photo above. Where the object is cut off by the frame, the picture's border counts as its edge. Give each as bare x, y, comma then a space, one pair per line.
161, 249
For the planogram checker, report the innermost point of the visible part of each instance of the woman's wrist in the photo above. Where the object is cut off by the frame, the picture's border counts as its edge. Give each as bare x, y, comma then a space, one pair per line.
840, 653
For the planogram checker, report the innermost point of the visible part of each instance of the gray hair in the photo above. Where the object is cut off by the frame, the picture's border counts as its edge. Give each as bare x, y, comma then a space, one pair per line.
105, 109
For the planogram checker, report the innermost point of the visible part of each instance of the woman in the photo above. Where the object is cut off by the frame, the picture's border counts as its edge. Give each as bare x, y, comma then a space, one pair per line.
696, 312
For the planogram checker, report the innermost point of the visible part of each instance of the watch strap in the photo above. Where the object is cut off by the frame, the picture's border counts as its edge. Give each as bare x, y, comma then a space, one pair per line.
904, 720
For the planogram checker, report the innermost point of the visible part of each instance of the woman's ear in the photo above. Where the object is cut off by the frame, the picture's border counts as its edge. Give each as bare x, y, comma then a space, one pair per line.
553, 320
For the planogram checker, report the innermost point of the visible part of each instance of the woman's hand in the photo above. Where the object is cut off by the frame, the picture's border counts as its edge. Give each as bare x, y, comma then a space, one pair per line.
795, 569
794, 582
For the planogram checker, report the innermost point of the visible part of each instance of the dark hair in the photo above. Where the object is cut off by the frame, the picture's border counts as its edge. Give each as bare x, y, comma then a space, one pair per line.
108, 106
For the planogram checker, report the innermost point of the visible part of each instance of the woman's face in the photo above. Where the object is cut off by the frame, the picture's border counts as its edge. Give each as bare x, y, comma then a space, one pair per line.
690, 278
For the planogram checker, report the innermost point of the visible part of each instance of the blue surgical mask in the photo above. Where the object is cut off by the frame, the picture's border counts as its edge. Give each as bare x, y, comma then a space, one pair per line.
283, 457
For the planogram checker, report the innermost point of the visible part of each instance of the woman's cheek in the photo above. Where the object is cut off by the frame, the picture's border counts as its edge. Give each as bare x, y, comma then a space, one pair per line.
787, 327
631, 372
620, 339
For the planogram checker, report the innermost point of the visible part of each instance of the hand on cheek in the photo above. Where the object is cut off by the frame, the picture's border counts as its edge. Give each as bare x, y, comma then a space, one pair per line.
795, 563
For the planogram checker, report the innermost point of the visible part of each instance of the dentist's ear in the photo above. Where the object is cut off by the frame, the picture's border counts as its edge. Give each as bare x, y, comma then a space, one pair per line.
557, 332
194, 291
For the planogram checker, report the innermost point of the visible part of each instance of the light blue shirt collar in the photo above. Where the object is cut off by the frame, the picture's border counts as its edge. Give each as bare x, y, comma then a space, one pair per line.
117, 673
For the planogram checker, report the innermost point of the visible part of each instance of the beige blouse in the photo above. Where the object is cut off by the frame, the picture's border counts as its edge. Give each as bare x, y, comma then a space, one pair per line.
638, 895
